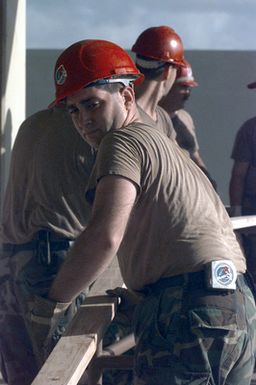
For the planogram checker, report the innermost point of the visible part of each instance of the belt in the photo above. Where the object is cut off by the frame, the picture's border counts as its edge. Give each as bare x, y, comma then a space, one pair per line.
190, 281
42, 236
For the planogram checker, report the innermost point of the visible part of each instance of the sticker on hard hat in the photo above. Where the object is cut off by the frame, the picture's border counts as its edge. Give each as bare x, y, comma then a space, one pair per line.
221, 275
60, 75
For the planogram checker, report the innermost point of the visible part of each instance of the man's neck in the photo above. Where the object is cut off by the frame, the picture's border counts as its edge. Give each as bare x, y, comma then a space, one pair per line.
148, 96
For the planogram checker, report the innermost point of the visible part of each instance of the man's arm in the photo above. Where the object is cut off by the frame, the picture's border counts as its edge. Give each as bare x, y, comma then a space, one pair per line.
99, 242
200, 163
197, 159
236, 186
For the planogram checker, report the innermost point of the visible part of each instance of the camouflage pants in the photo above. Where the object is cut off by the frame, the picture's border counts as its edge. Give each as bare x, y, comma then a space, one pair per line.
188, 335
21, 277
119, 328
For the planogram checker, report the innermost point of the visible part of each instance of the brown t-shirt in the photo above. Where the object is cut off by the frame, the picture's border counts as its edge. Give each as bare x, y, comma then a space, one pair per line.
163, 122
49, 171
178, 222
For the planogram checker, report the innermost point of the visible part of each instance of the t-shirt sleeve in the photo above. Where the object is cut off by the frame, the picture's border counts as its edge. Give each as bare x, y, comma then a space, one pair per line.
118, 155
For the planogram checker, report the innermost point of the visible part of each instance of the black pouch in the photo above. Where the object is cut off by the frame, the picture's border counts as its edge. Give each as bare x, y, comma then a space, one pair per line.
44, 248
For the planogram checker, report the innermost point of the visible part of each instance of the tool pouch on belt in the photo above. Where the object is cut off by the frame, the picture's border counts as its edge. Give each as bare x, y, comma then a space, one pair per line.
43, 318
47, 245
44, 248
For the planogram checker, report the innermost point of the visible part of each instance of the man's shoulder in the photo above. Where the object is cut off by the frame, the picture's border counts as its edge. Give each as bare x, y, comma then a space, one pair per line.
165, 123
249, 125
163, 115
184, 116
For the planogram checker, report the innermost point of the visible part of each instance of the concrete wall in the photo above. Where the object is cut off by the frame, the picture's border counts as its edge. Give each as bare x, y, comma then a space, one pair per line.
219, 105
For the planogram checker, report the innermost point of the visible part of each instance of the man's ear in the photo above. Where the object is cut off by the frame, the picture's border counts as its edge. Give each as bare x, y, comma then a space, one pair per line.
128, 96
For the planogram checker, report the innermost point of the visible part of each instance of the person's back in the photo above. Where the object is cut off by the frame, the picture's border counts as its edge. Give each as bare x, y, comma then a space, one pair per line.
44, 209
48, 174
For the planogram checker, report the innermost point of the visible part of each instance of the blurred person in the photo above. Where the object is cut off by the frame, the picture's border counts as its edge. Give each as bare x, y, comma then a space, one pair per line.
174, 103
242, 186
196, 321
44, 210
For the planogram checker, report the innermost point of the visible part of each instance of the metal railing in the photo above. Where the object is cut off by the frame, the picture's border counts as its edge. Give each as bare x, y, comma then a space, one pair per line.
78, 357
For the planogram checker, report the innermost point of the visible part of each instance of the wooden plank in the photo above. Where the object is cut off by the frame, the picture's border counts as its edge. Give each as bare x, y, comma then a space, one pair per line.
94, 316
74, 351
243, 222
121, 346
67, 362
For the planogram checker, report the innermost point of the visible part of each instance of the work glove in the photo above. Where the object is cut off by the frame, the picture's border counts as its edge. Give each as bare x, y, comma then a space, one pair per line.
128, 300
121, 326
43, 320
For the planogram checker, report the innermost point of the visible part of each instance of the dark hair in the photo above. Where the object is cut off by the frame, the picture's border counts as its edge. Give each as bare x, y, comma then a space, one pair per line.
151, 73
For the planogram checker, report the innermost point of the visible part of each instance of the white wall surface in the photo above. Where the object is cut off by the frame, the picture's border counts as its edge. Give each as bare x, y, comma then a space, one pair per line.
13, 71
219, 105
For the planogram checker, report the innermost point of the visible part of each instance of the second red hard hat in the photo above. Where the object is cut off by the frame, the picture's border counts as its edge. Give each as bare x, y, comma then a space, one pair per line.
160, 43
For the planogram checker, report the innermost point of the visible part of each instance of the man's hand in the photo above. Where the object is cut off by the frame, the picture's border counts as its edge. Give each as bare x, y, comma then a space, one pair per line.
128, 299
43, 319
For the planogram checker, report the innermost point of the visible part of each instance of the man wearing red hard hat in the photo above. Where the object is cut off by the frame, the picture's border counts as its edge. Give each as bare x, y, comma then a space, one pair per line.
154, 208
159, 55
242, 186
183, 123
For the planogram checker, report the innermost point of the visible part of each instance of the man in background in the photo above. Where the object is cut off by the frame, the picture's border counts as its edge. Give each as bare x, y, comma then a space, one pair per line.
159, 54
44, 211
174, 103
242, 186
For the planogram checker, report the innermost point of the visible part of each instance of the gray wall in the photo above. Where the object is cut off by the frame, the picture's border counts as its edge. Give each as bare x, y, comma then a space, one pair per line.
219, 105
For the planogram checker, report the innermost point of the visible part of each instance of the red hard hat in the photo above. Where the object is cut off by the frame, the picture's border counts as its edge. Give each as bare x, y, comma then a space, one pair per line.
89, 61
160, 43
185, 76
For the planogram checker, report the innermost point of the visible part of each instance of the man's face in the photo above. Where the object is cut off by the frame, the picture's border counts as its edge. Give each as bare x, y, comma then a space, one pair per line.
177, 96
95, 111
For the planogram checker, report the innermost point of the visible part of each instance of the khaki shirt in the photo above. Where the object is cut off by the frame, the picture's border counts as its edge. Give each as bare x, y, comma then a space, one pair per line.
178, 222
49, 170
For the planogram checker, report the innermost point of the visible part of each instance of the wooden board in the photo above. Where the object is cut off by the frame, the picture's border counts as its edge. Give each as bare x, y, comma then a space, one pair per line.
243, 222
74, 351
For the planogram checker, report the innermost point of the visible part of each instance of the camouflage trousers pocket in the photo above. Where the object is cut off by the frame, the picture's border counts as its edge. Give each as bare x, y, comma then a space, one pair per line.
212, 319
